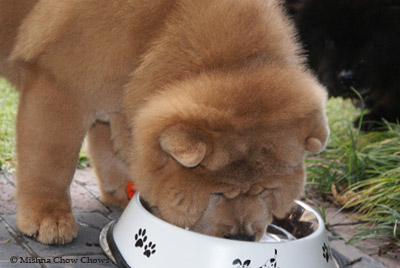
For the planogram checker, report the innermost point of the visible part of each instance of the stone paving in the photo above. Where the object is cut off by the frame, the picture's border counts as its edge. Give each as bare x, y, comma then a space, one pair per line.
91, 215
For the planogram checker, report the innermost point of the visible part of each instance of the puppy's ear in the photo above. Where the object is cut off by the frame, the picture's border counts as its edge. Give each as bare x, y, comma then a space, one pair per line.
317, 140
184, 145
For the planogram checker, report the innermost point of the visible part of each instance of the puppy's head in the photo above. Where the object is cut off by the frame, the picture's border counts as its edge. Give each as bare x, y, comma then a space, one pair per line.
223, 153
350, 43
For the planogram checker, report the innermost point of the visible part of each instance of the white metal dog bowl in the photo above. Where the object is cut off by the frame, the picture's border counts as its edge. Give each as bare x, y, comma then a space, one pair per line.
141, 240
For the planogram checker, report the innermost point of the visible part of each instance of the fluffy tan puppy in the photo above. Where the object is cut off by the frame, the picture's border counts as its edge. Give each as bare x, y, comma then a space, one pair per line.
205, 104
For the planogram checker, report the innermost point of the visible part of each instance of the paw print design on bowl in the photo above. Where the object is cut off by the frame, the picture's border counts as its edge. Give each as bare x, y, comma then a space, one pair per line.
149, 249
140, 238
326, 252
245, 263
270, 263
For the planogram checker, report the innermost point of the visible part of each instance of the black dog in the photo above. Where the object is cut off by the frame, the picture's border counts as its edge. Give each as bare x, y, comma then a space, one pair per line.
354, 43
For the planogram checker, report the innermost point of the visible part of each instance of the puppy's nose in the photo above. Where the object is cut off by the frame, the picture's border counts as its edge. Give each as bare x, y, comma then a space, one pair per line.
346, 76
241, 237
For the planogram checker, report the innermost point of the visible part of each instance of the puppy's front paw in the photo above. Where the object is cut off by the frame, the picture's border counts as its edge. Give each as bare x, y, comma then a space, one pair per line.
48, 226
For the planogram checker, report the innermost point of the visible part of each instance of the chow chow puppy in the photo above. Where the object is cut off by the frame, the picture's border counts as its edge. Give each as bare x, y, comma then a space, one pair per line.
355, 43
205, 104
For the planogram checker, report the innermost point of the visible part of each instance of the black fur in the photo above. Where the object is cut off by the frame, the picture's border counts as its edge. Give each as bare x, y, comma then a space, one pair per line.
354, 43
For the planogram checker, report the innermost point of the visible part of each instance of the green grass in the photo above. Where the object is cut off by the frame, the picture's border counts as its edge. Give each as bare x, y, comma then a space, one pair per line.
8, 112
378, 199
365, 167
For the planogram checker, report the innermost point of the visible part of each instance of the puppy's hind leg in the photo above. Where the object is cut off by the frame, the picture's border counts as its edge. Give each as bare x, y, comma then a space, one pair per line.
111, 170
51, 125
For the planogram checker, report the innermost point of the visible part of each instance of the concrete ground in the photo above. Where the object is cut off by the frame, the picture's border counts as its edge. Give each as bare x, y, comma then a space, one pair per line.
91, 215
